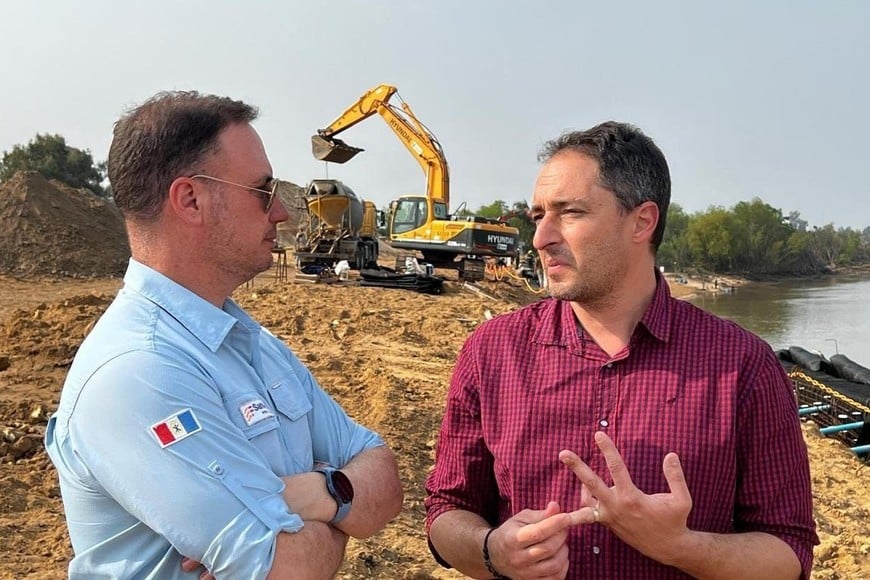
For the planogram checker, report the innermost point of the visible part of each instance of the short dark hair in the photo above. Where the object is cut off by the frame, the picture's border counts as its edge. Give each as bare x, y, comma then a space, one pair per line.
160, 140
630, 165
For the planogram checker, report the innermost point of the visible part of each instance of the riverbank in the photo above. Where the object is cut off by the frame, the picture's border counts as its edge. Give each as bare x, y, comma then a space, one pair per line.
683, 286
862, 270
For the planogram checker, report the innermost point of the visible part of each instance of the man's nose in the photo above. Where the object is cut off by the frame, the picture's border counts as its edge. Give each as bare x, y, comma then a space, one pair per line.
546, 233
278, 212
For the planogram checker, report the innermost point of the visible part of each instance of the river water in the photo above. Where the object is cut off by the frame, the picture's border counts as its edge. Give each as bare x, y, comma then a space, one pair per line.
830, 314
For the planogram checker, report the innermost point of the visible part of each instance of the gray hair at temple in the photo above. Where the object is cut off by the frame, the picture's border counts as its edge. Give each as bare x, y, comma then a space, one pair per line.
162, 139
630, 165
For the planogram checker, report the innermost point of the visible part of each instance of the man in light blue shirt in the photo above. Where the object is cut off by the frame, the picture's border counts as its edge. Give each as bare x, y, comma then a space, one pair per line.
187, 435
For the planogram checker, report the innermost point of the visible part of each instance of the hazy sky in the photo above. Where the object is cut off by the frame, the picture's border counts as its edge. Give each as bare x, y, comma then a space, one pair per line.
762, 98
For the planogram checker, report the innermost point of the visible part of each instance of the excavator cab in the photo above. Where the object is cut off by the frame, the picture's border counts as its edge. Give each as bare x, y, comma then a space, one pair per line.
332, 149
408, 214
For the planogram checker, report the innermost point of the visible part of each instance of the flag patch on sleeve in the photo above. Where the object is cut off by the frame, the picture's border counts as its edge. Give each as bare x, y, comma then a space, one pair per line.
175, 428
255, 411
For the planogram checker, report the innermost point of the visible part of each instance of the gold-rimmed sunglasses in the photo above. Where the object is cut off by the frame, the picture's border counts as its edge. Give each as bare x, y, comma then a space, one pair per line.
267, 195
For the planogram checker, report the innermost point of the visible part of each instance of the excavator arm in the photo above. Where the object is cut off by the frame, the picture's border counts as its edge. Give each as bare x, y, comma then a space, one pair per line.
419, 223
413, 134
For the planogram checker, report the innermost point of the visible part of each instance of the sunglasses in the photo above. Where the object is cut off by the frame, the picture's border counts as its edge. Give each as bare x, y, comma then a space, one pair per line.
267, 195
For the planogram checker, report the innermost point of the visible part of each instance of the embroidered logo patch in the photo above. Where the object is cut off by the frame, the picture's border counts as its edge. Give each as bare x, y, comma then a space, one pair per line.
255, 411
175, 428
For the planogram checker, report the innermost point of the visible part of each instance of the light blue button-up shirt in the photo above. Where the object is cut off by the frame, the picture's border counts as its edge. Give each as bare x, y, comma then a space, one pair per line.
175, 424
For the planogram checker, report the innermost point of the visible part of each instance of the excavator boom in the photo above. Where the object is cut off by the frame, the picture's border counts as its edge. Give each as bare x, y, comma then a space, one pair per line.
419, 222
419, 141
326, 147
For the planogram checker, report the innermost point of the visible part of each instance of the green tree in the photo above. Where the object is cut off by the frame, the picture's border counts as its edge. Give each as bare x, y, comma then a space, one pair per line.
674, 250
54, 159
711, 240
852, 252
799, 257
494, 210
764, 233
826, 245
865, 245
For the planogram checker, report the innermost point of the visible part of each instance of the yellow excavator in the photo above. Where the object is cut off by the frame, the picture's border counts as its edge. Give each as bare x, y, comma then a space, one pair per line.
420, 222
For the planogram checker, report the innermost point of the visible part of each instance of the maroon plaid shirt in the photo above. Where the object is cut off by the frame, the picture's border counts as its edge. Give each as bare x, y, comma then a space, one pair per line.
530, 383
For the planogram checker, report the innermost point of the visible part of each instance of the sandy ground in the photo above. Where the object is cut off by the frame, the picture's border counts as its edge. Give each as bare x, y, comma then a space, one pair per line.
386, 355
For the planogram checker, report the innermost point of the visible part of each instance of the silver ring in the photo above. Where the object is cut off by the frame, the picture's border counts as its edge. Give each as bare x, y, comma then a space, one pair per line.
596, 514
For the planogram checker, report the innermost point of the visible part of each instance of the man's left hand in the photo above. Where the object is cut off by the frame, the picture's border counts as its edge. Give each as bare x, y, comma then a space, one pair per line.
655, 525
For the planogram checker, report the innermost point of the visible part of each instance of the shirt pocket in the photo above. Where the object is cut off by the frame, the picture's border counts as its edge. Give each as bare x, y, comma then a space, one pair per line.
293, 408
252, 413
264, 424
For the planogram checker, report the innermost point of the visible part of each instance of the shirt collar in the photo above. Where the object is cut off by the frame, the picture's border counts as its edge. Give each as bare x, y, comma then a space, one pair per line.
204, 320
659, 314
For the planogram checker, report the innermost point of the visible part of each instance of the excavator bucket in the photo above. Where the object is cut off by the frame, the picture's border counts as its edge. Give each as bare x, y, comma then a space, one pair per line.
332, 150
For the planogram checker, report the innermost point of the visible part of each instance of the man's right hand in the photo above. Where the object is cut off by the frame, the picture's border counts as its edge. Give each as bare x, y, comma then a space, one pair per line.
307, 496
532, 544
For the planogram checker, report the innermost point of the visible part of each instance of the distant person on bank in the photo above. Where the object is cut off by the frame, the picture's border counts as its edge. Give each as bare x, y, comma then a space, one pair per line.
612, 431
189, 440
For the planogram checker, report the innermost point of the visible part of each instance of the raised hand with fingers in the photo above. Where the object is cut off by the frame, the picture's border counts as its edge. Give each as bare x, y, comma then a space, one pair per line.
532, 544
655, 524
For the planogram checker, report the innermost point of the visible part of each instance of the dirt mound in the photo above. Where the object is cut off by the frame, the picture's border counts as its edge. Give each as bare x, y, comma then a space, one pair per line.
386, 355
52, 230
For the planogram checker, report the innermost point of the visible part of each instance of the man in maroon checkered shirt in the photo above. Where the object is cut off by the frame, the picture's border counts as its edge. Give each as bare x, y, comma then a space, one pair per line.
611, 431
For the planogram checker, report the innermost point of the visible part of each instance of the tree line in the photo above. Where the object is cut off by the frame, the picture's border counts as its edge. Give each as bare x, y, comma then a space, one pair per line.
754, 238
750, 239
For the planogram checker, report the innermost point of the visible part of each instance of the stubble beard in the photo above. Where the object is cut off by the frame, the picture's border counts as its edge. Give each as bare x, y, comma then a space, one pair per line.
239, 265
581, 291
592, 284
243, 267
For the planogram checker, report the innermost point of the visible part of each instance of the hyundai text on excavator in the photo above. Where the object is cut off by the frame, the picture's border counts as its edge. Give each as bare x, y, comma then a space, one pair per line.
420, 222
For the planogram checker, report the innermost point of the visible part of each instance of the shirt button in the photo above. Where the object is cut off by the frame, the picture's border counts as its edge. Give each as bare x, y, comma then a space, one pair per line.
603, 423
609, 365
596, 550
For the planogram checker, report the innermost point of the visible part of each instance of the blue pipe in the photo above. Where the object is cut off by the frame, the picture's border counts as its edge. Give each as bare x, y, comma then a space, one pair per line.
861, 449
843, 427
811, 410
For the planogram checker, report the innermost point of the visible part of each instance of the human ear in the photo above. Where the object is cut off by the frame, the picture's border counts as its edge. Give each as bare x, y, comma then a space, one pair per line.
646, 220
184, 200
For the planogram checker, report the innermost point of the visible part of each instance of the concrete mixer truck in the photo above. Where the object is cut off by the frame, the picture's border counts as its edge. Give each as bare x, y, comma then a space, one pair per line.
337, 225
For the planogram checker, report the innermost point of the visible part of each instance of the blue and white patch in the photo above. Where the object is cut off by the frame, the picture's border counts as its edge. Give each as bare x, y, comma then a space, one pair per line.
255, 411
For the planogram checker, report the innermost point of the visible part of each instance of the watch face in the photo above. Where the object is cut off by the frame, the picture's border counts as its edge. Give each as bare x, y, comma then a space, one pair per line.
343, 486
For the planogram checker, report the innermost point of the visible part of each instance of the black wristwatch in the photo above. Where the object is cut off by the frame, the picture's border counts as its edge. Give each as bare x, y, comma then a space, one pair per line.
341, 490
